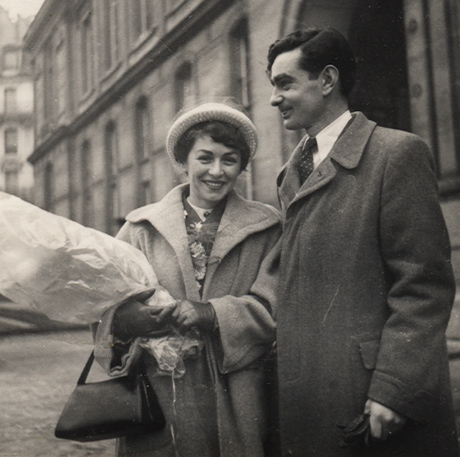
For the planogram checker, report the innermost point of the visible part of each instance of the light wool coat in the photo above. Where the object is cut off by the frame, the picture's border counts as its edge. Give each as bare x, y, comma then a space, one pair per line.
366, 294
220, 403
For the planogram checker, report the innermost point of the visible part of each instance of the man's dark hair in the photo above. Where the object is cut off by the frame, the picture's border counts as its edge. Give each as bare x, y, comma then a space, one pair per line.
220, 132
320, 47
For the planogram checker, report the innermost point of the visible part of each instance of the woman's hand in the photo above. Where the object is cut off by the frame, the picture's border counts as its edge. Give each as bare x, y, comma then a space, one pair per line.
133, 319
188, 313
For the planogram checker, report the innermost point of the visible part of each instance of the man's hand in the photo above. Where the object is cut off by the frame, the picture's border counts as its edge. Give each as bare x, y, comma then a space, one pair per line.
133, 319
188, 314
384, 422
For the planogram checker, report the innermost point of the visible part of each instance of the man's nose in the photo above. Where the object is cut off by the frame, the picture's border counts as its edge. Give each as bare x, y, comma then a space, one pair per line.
275, 98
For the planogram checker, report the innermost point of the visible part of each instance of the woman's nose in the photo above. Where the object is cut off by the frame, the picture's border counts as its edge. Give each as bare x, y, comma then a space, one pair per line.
216, 168
275, 98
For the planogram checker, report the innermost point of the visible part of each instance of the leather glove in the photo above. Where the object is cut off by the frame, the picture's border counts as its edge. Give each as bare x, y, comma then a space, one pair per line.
133, 319
188, 314
357, 432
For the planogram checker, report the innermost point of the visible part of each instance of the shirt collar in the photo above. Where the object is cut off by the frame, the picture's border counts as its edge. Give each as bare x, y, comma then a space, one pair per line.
328, 136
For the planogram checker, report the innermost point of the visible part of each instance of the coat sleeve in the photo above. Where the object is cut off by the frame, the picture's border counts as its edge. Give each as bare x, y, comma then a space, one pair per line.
416, 250
114, 356
247, 323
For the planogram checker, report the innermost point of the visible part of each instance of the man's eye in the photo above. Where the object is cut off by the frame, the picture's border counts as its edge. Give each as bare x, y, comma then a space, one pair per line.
285, 85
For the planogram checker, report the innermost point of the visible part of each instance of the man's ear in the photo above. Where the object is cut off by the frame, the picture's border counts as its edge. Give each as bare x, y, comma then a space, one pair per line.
330, 78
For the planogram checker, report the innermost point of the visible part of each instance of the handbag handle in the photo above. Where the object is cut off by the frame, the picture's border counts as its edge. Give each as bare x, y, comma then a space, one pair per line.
89, 363
85, 372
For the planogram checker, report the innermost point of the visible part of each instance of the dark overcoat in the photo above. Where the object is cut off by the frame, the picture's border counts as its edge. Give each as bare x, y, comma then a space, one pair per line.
366, 290
218, 407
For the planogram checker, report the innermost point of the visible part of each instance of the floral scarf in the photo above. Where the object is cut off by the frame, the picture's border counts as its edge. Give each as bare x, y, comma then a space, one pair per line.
201, 236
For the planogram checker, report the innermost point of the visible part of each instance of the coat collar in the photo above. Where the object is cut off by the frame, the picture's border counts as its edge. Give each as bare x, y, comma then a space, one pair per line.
241, 219
347, 152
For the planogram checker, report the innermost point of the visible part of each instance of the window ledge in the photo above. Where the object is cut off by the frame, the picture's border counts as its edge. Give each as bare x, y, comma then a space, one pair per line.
143, 38
110, 71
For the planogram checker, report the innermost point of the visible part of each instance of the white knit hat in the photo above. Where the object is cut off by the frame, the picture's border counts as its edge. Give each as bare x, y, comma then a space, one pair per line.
212, 112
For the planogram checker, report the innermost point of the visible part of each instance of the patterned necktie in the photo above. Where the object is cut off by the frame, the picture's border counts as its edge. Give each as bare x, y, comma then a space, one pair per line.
305, 162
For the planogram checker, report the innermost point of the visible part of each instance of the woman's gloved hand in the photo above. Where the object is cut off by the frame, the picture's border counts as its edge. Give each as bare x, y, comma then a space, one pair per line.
133, 319
188, 313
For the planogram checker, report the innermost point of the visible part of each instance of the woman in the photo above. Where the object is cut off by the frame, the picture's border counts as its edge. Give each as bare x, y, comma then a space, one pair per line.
210, 250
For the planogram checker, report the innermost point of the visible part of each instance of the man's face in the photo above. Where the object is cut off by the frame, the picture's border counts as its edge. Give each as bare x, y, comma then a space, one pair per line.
295, 93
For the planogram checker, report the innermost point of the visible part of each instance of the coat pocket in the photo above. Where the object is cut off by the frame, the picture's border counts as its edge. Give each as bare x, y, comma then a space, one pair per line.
369, 351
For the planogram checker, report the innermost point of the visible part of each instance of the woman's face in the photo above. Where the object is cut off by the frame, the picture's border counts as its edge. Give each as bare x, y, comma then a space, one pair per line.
213, 169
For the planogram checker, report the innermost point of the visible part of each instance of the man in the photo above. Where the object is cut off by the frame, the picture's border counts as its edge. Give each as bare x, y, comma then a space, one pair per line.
366, 281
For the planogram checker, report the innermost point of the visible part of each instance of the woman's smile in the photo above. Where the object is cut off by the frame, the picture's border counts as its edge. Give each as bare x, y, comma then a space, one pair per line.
213, 169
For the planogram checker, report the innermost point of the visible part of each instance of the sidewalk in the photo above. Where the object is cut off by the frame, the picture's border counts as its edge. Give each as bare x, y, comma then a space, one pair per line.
39, 367
38, 371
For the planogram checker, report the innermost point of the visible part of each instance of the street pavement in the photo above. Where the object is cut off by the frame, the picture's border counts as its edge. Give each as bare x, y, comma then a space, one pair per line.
38, 371
40, 362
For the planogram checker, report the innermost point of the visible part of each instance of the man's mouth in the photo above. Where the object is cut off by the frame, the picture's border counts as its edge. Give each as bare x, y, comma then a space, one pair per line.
285, 113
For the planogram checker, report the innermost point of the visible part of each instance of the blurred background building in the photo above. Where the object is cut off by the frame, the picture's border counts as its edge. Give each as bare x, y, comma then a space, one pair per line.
16, 109
110, 75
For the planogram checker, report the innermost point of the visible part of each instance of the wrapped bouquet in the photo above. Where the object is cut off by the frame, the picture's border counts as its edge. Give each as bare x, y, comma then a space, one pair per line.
69, 272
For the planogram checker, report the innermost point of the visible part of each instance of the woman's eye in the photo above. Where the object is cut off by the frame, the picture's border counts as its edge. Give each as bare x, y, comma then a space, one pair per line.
204, 159
230, 161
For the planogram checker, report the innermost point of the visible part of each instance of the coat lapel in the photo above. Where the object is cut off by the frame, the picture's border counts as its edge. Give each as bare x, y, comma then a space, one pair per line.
241, 219
347, 152
167, 217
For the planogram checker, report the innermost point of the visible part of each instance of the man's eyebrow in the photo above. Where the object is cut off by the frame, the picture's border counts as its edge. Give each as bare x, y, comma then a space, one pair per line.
281, 76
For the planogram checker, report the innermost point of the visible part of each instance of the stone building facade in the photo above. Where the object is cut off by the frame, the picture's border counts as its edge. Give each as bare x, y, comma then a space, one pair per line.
110, 75
16, 109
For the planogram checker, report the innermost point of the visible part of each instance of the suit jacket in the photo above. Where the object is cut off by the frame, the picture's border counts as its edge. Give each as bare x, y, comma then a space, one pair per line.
366, 290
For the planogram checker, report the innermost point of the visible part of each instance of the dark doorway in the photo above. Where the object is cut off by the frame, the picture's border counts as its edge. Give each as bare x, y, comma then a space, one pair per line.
377, 35
375, 29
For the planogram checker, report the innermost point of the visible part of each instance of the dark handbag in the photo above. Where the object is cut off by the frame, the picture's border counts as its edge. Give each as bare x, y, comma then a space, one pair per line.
110, 409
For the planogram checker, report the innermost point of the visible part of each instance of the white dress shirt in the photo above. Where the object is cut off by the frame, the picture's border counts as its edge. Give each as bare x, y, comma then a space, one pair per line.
328, 136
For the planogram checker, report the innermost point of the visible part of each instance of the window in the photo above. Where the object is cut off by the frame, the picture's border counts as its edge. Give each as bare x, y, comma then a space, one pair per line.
142, 129
112, 196
11, 141
11, 60
86, 182
184, 89
145, 194
10, 101
86, 52
49, 95
142, 14
142, 135
239, 63
49, 185
11, 182
110, 34
60, 78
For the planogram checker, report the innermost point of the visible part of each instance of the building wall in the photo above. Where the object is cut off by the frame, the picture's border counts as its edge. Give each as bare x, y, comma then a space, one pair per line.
96, 71
16, 110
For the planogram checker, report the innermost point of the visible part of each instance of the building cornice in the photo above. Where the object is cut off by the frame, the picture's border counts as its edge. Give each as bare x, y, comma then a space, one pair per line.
58, 134
48, 15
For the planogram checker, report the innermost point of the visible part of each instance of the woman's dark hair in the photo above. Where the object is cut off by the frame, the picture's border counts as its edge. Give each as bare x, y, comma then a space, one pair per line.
220, 132
320, 47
